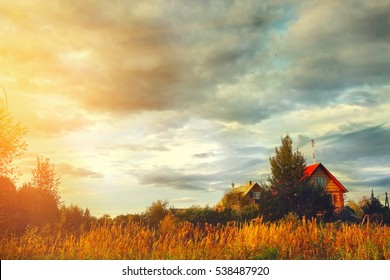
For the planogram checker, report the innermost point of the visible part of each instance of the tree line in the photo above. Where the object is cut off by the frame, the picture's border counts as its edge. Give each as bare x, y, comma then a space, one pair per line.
284, 195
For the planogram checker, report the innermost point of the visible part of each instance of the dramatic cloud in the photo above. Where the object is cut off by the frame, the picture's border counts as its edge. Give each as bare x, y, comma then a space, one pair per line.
185, 97
334, 46
365, 144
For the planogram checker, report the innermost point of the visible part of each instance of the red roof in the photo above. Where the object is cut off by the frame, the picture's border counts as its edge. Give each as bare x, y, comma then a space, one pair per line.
309, 170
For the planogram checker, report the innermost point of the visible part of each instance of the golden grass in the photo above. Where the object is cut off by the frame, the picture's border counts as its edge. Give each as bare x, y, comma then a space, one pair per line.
254, 240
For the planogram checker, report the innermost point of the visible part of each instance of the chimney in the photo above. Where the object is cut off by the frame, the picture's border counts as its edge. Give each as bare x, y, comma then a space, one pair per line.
250, 183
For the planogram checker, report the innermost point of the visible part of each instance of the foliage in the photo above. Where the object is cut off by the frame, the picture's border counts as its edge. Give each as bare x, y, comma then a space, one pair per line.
206, 215
45, 178
129, 218
233, 200
156, 212
286, 191
39, 200
286, 166
12, 144
9, 203
374, 209
75, 219
356, 208
37, 205
347, 215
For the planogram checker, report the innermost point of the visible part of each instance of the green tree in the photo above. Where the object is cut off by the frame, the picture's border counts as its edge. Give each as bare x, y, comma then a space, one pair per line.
156, 212
374, 209
240, 208
287, 167
287, 192
233, 199
74, 219
45, 178
357, 209
12, 144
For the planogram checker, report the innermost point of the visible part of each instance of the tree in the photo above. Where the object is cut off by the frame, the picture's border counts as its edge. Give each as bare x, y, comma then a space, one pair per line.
356, 208
45, 178
74, 219
233, 200
8, 206
38, 206
156, 212
40, 199
241, 208
287, 167
12, 144
374, 209
287, 192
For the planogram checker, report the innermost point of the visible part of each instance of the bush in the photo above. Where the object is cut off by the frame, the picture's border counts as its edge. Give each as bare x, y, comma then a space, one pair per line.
156, 212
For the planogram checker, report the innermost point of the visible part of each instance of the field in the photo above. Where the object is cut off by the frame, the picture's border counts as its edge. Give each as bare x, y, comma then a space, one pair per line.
172, 240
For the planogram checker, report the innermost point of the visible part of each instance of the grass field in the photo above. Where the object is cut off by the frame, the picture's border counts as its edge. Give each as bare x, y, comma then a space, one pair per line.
171, 240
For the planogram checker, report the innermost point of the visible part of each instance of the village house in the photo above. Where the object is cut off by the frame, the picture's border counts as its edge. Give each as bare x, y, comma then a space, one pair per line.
251, 190
320, 175
316, 174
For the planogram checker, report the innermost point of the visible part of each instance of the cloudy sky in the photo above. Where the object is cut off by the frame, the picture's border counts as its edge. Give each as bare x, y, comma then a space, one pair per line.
135, 101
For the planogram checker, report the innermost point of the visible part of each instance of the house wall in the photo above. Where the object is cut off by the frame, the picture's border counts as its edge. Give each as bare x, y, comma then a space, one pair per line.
331, 187
255, 188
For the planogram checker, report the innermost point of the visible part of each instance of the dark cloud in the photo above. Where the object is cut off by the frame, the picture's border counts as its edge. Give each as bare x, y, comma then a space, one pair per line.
361, 98
371, 142
168, 61
67, 169
247, 110
377, 181
178, 56
379, 184
326, 59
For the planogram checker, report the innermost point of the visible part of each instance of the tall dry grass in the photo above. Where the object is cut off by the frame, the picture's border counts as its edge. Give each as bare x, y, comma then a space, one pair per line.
174, 240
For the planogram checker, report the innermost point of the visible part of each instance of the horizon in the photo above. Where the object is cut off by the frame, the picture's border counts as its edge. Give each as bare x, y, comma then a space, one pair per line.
134, 102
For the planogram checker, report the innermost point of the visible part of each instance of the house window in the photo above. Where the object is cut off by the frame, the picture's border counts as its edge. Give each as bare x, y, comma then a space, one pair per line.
256, 195
321, 181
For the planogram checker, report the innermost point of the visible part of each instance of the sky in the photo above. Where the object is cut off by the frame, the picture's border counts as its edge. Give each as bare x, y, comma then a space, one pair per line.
135, 101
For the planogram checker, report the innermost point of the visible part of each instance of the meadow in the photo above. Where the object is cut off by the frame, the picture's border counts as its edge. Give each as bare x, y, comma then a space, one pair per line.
305, 239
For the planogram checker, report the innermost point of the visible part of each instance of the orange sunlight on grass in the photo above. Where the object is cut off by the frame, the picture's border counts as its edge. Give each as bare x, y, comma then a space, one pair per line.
254, 240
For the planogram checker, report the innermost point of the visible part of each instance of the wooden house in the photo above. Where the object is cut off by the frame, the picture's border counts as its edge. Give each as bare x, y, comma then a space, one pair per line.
316, 174
320, 175
239, 196
250, 191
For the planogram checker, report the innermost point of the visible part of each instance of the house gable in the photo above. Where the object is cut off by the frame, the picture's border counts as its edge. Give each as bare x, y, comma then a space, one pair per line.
318, 174
249, 188
246, 192
319, 170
